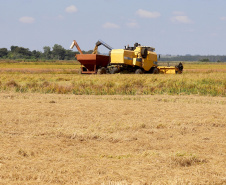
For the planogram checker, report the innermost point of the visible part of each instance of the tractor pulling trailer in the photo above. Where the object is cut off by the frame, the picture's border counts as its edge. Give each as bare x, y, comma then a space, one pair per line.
138, 59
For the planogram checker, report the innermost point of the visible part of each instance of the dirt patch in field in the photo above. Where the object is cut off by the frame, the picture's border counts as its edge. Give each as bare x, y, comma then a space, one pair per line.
67, 139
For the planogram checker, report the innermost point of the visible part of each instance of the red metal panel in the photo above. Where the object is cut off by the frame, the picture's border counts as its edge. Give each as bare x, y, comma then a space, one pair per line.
93, 61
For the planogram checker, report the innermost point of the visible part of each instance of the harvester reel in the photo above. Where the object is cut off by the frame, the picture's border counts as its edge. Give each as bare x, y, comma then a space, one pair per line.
180, 66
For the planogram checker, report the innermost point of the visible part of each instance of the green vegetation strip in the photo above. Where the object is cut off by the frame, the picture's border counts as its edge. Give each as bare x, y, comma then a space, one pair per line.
211, 84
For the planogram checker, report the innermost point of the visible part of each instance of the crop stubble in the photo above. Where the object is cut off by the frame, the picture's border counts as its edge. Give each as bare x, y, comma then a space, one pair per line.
68, 139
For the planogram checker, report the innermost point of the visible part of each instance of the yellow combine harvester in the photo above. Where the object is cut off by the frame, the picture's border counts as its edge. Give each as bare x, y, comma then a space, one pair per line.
139, 59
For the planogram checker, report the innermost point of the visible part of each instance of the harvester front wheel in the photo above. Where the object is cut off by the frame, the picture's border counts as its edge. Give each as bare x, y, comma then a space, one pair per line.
102, 70
138, 71
155, 70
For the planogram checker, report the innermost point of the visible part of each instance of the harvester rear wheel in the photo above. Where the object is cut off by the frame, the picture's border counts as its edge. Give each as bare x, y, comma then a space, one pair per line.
114, 70
138, 71
102, 70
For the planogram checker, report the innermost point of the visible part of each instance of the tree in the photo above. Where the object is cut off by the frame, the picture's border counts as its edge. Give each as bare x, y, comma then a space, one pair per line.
20, 52
13, 48
58, 52
36, 54
24, 51
204, 60
69, 55
47, 52
3, 52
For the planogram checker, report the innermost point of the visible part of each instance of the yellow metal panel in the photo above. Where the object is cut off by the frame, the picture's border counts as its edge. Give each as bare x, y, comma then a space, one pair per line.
121, 56
150, 61
117, 56
152, 56
128, 57
137, 62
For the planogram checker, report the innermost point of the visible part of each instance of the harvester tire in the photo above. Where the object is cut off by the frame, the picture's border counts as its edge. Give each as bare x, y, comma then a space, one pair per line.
138, 71
114, 70
102, 70
155, 70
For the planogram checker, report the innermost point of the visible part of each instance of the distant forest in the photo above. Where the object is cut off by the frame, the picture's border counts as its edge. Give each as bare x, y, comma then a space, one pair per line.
57, 52
201, 58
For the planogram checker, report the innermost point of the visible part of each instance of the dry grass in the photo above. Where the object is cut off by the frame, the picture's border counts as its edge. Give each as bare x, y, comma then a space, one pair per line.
211, 84
67, 139
55, 67
198, 78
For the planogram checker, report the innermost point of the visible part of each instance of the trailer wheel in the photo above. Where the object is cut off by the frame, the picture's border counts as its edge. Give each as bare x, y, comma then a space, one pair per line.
102, 70
114, 70
138, 71
155, 70
81, 69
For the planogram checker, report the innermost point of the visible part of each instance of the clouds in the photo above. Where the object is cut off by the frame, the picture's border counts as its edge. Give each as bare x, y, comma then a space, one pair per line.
109, 25
180, 17
30, 20
147, 14
71, 9
27, 20
132, 24
223, 18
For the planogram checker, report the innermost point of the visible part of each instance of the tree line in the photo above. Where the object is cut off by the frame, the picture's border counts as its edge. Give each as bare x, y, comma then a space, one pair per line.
201, 58
57, 52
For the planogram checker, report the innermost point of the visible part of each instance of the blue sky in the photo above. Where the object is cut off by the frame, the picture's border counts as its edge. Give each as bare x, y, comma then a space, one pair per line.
171, 26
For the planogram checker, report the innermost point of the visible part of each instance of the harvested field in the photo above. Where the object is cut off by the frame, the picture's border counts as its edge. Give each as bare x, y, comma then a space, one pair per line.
55, 128
68, 139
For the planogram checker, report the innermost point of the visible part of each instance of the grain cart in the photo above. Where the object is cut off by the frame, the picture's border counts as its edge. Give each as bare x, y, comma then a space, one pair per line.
139, 59
93, 63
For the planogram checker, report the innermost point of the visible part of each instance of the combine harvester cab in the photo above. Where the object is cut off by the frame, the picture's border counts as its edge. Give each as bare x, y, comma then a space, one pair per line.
93, 63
